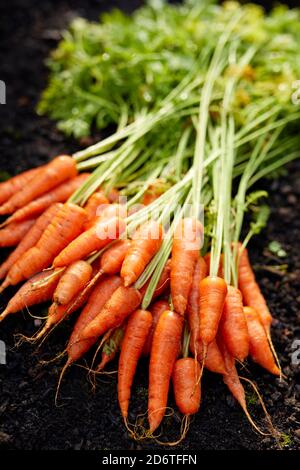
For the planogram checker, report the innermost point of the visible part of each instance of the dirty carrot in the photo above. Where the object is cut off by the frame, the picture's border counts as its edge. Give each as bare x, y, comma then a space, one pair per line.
259, 346
37, 290
234, 325
16, 183
73, 280
39, 205
157, 309
185, 252
136, 332
187, 395
15, 232
30, 239
93, 239
64, 227
57, 171
146, 242
165, 347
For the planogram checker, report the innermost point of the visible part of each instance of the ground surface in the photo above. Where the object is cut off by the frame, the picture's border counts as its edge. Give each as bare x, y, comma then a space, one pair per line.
91, 420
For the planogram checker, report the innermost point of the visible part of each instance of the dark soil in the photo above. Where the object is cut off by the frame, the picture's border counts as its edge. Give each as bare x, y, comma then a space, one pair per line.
91, 420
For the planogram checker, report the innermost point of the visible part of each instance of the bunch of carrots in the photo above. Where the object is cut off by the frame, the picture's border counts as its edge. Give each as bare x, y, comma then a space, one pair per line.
164, 273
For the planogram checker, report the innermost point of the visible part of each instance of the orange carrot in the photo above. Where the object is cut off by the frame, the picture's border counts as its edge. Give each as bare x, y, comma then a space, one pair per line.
121, 304
96, 203
57, 171
165, 347
260, 350
146, 242
30, 239
156, 310
185, 252
110, 348
220, 268
64, 227
187, 395
163, 282
15, 232
13, 185
93, 239
59, 194
74, 279
212, 291
200, 272
214, 360
37, 290
234, 326
112, 259
250, 289
136, 333
103, 291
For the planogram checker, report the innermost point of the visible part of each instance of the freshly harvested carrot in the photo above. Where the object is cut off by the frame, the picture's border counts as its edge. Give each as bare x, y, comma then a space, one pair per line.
96, 203
136, 333
146, 241
64, 227
234, 325
214, 360
185, 252
149, 197
103, 291
57, 171
163, 282
15, 232
93, 239
220, 268
111, 347
39, 205
259, 346
200, 272
37, 290
250, 289
121, 304
212, 291
30, 239
74, 279
187, 395
156, 310
112, 259
165, 347
13, 185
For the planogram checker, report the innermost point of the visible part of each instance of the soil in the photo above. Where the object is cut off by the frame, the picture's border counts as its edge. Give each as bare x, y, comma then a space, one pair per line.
87, 418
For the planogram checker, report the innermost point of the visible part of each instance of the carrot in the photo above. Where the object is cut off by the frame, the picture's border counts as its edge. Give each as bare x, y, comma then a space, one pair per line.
259, 347
163, 282
110, 348
234, 326
136, 333
76, 276
37, 290
113, 195
15, 232
212, 291
30, 239
250, 289
187, 395
112, 259
146, 242
185, 252
200, 272
102, 292
110, 211
39, 205
220, 268
64, 227
57, 171
96, 203
165, 347
149, 197
93, 239
214, 360
14, 184
156, 310
121, 304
